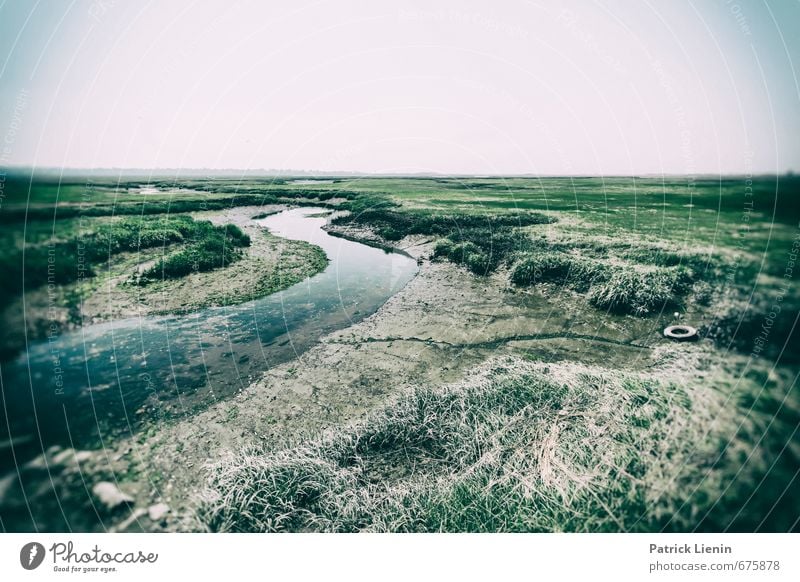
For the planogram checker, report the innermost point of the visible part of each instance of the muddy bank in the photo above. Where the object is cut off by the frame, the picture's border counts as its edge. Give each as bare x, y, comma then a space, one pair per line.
360, 280
270, 264
440, 325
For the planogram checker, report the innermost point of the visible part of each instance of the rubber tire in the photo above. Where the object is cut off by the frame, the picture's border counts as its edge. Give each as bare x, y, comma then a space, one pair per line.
690, 333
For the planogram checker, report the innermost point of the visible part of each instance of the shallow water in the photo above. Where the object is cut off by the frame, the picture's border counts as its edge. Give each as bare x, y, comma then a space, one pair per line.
108, 380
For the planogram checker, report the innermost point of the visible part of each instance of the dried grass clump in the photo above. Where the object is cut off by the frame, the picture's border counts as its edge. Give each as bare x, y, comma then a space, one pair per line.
518, 447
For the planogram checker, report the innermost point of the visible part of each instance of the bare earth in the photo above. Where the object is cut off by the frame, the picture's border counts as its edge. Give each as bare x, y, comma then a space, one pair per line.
445, 323
442, 324
270, 263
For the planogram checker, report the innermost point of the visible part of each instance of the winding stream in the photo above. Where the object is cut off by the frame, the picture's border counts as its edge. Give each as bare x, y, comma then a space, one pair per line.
108, 380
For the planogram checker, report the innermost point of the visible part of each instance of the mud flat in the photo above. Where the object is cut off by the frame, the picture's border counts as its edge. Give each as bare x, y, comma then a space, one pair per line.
358, 282
442, 324
270, 264
439, 329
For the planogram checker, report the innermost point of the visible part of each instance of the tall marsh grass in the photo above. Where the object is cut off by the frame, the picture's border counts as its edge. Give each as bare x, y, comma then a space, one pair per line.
518, 447
624, 278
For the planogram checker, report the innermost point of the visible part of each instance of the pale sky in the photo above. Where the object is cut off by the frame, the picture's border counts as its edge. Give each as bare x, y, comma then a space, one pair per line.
465, 87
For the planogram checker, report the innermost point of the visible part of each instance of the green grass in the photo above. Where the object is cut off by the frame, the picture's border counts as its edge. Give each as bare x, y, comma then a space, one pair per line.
758, 216
522, 447
634, 246
745, 227
719, 213
59, 261
394, 224
638, 286
628, 290
566, 270
481, 223
483, 250
45, 199
211, 247
481, 243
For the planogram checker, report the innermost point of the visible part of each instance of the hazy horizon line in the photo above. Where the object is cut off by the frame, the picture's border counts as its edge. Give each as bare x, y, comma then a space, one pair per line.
274, 172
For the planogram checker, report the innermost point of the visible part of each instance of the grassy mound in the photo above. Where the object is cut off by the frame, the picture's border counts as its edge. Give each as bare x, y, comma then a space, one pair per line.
629, 290
619, 277
519, 447
273, 264
560, 268
61, 261
614, 288
482, 250
212, 247
479, 242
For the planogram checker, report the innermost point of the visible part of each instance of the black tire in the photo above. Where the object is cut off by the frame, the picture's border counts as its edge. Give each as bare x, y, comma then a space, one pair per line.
681, 333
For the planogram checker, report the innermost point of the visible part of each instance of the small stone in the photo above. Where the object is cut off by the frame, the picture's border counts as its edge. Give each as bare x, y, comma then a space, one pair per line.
39, 462
157, 511
81, 456
64, 456
131, 519
6, 483
110, 496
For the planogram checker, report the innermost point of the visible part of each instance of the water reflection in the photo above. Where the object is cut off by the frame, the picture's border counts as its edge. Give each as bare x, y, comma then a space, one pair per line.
106, 380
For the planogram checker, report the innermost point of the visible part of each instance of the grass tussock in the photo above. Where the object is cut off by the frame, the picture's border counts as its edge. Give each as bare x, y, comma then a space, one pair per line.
61, 261
629, 290
211, 247
481, 243
628, 277
519, 447
625, 289
482, 250
560, 268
